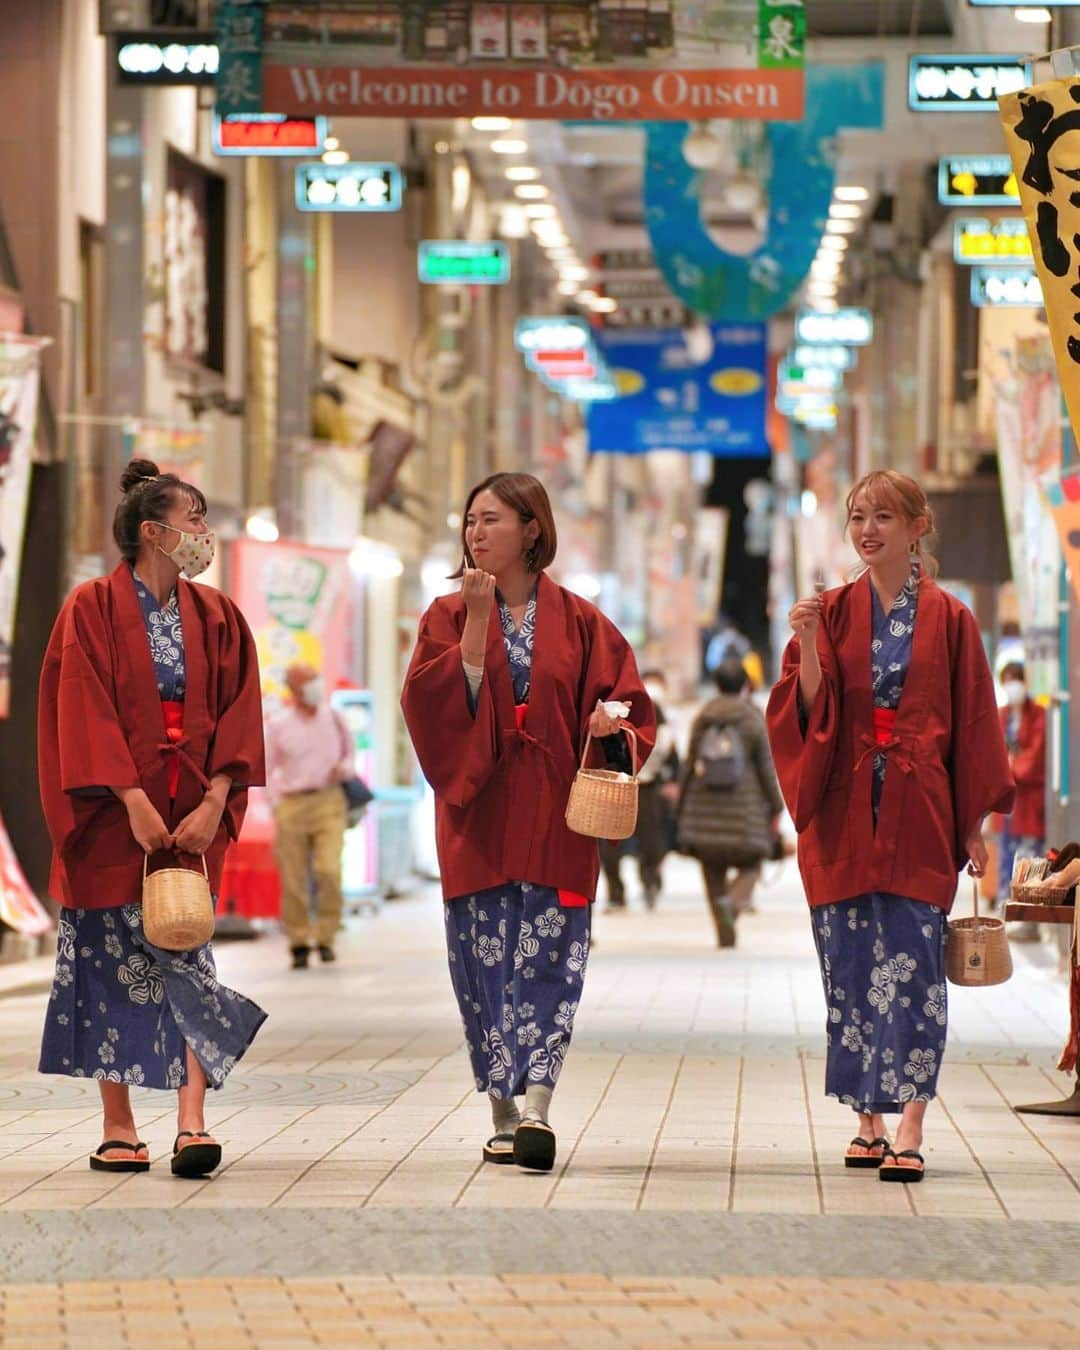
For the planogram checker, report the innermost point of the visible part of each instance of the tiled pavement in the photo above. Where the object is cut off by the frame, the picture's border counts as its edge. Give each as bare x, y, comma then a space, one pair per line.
698, 1198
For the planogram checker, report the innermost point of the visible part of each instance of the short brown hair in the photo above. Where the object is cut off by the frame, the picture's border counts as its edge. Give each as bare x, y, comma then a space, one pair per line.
526, 495
897, 492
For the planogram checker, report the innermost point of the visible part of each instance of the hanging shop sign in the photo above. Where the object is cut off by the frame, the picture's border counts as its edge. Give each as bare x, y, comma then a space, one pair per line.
348, 187
1041, 132
585, 59
822, 354
551, 332
949, 83
1002, 241
667, 402
995, 287
977, 180
460, 262
148, 59
849, 327
561, 349
268, 134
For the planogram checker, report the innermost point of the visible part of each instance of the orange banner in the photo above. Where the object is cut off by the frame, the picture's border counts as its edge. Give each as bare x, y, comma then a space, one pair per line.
580, 95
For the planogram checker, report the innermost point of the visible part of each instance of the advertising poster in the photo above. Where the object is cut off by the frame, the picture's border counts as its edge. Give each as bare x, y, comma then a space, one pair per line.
667, 402
18, 418
174, 449
1043, 136
296, 601
19, 907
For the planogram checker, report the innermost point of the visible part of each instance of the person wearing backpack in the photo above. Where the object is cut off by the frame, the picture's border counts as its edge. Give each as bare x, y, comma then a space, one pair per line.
730, 798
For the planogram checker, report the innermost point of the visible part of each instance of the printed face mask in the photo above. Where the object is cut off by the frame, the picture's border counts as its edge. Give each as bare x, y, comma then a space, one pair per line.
1015, 692
313, 692
194, 553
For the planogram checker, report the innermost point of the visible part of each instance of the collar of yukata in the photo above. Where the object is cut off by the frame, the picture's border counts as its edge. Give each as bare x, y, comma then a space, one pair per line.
169, 604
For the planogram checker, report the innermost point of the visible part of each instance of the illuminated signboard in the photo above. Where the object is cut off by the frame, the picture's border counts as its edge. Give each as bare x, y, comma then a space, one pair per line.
835, 357
551, 332
348, 187
977, 180
268, 134
459, 262
977, 240
794, 380
145, 58
992, 287
964, 83
561, 350
848, 327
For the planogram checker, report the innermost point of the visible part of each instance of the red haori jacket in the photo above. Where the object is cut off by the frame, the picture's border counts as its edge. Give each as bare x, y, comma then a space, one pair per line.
947, 763
101, 725
1029, 769
501, 791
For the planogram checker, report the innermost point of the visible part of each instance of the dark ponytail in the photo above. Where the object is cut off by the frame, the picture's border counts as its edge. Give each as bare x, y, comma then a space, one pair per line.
148, 495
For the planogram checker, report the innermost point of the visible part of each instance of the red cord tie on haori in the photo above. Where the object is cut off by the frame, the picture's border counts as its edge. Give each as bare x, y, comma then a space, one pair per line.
173, 712
884, 741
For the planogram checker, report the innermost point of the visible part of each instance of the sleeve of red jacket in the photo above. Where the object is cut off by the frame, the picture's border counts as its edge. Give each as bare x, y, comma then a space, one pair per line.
611, 673
237, 750
803, 746
80, 741
457, 749
982, 781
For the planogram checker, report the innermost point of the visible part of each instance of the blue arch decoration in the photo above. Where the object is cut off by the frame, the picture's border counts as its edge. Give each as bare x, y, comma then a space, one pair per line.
722, 285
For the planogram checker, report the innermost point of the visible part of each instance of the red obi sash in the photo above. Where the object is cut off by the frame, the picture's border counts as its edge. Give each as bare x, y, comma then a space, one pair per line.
568, 899
173, 712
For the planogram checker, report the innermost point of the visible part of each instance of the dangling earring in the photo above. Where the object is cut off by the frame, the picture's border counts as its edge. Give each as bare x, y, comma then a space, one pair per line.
913, 548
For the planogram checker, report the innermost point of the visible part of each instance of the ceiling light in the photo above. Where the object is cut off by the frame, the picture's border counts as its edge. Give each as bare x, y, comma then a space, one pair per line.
841, 227
522, 173
825, 288
331, 143
826, 271
743, 193
335, 157
575, 272
513, 222
262, 525
531, 192
510, 145
550, 238
491, 124
1031, 14
701, 148
605, 305
833, 243
567, 288
851, 194
587, 297
844, 211
562, 252
541, 211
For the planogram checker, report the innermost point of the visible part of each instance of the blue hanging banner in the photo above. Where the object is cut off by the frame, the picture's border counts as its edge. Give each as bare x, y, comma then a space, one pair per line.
667, 402
722, 285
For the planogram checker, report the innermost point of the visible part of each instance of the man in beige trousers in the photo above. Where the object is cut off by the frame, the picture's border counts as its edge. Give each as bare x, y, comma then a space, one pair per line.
309, 754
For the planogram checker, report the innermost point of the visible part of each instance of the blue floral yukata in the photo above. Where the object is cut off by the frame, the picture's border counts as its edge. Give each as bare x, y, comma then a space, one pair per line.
883, 956
517, 957
122, 1010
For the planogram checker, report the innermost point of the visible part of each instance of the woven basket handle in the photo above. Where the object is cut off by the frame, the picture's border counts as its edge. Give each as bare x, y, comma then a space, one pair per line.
974, 890
623, 726
202, 859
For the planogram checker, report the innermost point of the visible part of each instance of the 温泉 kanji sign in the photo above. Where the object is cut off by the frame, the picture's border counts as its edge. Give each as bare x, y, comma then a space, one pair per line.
576, 60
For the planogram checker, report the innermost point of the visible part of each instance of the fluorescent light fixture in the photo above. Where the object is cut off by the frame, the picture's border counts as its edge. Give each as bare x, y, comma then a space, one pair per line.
575, 272
824, 272
540, 211
335, 157
513, 222
567, 288
604, 304
522, 173
510, 145
851, 194
841, 227
531, 192
331, 143
262, 526
1031, 14
844, 211
833, 243
491, 124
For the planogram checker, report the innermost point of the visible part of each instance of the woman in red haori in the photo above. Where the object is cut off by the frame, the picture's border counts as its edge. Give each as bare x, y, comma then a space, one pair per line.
505, 685
149, 735
888, 747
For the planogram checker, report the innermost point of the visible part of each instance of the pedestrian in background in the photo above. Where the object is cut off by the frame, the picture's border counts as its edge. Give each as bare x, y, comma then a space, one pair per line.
730, 800
1023, 833
309, 755
885, 731
149, 735
657, 780
508, 680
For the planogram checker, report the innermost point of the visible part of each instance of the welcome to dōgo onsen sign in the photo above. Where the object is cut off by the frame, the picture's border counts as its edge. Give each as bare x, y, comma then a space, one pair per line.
588, 95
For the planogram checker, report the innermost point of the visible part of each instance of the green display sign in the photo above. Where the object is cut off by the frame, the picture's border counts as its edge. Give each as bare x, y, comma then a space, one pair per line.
460, 262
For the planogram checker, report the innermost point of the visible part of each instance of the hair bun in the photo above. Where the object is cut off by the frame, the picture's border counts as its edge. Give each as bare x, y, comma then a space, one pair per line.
135, 472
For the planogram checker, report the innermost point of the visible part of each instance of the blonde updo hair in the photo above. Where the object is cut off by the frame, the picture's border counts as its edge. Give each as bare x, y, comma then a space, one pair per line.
892, 491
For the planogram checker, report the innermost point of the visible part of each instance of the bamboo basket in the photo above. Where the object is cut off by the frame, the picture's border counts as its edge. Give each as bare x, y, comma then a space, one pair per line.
1038, 894
978, 952
603, 803
177, 911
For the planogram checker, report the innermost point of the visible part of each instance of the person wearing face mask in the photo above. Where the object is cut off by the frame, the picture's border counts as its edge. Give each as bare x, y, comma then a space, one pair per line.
149, 736
889, 753
1023, 834
309, 755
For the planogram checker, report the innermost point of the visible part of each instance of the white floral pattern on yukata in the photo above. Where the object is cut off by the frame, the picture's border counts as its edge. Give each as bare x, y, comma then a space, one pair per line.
124, 1011
883, 956
519, 646
517, 964
166, 638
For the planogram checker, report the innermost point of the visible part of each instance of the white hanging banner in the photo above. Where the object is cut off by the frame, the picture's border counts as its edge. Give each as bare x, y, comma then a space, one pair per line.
19, 377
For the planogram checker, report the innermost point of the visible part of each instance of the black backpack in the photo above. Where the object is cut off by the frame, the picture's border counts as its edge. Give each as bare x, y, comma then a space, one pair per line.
721, 758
